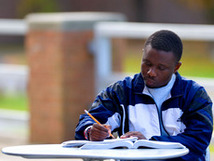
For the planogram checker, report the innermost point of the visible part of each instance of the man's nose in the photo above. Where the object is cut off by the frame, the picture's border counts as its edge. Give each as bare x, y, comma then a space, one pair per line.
151, 72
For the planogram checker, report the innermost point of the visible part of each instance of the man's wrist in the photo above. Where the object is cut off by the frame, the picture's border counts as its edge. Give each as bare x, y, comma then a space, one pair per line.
86, 132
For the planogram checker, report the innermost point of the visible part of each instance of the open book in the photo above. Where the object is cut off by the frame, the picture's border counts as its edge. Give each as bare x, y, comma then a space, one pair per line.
80, 143
129, 143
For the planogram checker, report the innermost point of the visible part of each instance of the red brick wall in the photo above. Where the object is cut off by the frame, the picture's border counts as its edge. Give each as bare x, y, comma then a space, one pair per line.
61, 83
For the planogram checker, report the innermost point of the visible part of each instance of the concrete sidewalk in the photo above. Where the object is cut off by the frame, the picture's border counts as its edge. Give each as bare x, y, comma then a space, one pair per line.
14, 131
17, 139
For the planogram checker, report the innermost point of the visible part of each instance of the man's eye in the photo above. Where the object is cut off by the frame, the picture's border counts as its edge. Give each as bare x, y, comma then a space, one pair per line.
147, 64
161, 68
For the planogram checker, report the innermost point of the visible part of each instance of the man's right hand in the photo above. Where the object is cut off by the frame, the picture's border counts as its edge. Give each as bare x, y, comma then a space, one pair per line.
99, 132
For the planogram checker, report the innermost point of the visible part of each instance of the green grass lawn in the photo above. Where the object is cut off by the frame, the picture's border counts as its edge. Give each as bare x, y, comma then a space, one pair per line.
197, 67
211, 148
14, 102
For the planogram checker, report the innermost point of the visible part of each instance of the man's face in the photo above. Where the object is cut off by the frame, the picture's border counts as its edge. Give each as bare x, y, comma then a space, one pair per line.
157, 67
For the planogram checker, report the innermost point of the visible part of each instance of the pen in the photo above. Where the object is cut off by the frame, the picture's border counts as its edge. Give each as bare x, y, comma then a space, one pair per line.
96, 121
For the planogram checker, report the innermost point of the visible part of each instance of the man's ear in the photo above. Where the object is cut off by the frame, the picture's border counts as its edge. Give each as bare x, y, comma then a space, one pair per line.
177, 67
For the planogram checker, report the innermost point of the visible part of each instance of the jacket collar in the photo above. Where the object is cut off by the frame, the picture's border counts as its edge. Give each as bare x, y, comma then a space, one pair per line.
176, 89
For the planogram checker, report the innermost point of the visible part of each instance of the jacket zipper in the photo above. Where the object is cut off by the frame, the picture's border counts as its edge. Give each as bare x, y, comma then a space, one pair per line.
162, 128
159, 115
124, 117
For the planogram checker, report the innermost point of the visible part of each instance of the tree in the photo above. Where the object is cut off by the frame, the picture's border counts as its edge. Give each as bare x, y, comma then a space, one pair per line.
207, 5
34, 6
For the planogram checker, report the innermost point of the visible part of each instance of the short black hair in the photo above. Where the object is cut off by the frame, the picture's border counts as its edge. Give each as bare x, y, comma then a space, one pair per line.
166, 40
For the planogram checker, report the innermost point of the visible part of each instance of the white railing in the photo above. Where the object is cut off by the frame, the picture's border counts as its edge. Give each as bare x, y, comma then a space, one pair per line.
144, 30
104, 31
13, 78
13, 27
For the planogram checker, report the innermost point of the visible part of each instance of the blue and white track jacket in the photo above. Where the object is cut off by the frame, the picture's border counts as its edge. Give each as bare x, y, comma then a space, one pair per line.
186, 115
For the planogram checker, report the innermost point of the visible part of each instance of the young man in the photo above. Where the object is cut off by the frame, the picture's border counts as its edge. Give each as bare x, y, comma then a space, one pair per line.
156, 104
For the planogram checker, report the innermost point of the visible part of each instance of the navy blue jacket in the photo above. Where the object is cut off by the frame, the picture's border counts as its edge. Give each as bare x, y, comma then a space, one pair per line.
186, 116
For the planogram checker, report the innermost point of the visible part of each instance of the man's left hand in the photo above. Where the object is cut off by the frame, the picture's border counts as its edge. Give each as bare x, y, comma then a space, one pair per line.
129, 134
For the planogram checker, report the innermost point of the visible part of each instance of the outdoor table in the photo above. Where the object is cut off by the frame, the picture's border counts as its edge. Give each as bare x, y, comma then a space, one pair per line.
51, 151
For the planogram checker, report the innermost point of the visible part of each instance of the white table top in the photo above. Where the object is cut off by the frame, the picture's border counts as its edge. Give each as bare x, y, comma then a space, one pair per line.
57, 151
